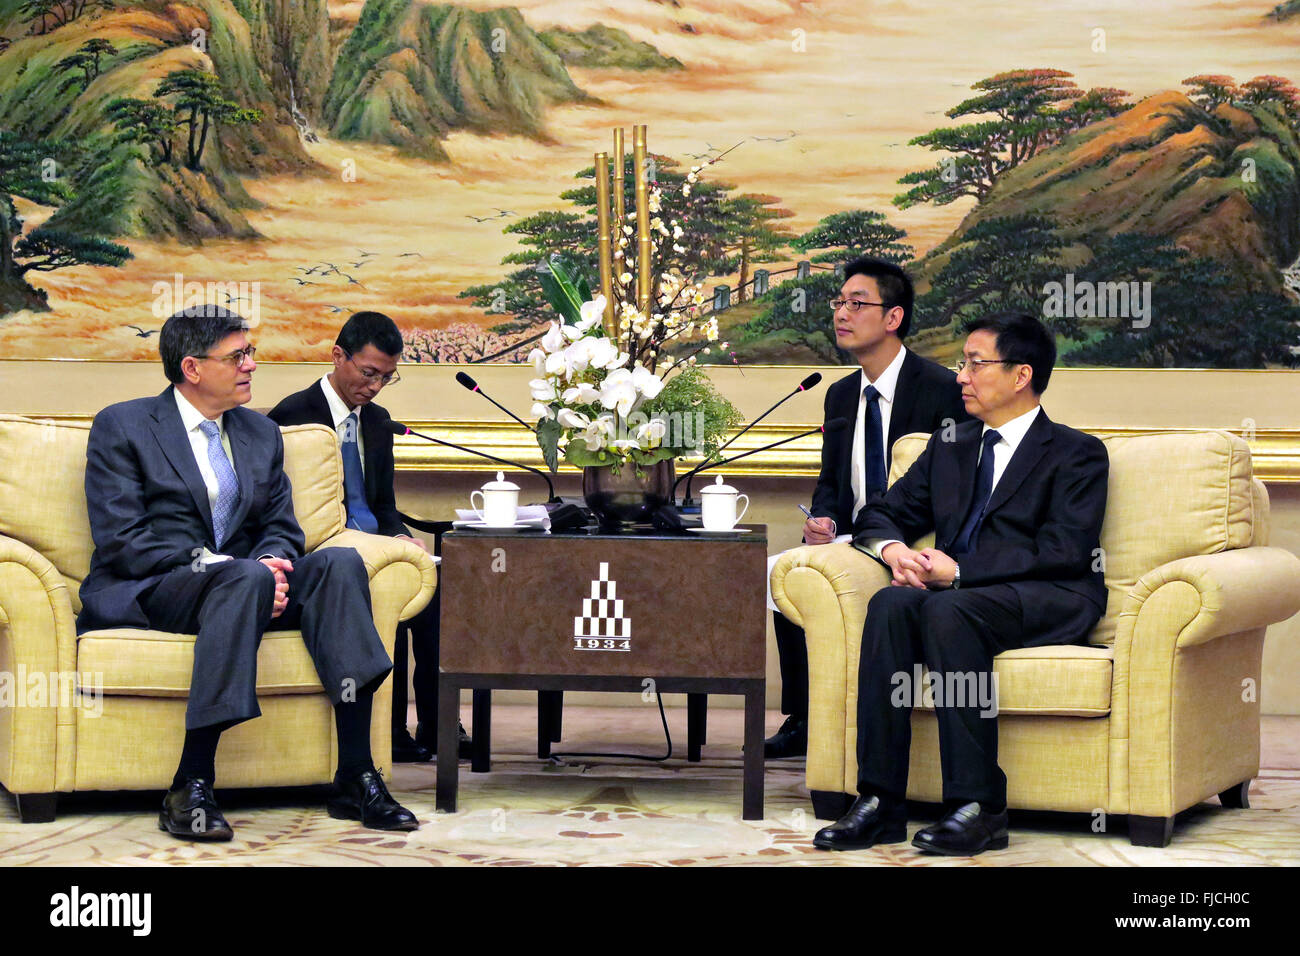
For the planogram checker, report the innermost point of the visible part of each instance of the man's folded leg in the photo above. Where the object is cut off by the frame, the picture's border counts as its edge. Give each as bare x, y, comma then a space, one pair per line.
227, 605
329, 600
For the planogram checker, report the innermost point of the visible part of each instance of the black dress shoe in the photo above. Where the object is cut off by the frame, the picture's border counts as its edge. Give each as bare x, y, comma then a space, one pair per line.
464, 745
406, 750
865, 825
190, 812
791, 740
364, 797
966, 831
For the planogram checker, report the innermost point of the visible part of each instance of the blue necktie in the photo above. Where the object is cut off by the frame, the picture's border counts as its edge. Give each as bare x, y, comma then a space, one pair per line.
983, 490
227, 483
360, 516
875, 444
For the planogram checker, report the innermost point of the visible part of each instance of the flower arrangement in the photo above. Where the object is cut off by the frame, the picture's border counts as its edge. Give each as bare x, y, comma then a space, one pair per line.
605, 393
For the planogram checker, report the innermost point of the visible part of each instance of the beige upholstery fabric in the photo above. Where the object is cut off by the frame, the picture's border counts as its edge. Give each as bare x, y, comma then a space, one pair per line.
1163, 712
132, 738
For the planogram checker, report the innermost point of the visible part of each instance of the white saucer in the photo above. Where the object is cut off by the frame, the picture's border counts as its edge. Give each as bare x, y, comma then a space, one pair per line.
504, 529
711, 531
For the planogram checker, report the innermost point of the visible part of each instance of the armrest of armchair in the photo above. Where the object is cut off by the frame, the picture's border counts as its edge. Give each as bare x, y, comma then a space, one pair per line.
37, 635
825, 590
1188, 640
402, 575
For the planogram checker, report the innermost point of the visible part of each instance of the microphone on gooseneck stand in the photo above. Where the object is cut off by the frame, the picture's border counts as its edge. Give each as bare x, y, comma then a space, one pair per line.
834, 425
472, 385
397, 428
810, 382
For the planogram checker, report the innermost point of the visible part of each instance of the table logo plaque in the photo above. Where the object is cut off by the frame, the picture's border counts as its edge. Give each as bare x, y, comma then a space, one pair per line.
602, 626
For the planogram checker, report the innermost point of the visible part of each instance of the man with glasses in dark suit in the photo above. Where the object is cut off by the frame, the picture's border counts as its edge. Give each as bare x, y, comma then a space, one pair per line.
192, 518
365, 357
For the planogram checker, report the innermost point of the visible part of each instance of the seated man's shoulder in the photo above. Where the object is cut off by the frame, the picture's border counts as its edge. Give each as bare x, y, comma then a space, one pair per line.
131, 410
256, 423
931, 370
1079, 442
849, 383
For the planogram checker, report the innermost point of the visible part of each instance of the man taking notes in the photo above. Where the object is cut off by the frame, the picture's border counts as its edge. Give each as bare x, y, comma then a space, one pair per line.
192, 518
896, 393
365, 357
1016, 504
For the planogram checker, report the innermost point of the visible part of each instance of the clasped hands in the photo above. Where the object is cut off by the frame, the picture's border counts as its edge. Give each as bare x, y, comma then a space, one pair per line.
927, 568
280, 567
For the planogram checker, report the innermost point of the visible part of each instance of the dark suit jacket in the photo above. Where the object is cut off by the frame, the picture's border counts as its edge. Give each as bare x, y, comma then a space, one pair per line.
148, 506
926, 395
309, 407
1041, 529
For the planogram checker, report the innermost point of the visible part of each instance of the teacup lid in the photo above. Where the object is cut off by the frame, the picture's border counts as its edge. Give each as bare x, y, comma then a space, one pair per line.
500, 484
718, 488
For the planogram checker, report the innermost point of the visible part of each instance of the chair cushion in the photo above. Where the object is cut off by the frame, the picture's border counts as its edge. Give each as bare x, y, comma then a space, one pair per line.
1066, 680
315, 469
141, 663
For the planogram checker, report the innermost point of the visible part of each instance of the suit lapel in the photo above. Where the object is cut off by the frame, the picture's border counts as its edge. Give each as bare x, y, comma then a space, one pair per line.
1029, 452
905, 400
241, 447
170, 434
967, 448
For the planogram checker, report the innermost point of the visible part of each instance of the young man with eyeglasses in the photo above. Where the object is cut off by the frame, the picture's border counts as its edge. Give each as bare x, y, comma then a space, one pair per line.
897, 392
1015, 502
365, 357
192, 518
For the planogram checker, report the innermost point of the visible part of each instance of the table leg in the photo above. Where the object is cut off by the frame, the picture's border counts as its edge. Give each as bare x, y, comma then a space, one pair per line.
448, 745
752, 804
557, 717
545, 721
696, 724
481, 761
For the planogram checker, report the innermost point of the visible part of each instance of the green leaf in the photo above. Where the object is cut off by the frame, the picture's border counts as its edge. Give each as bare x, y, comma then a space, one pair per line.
548, 438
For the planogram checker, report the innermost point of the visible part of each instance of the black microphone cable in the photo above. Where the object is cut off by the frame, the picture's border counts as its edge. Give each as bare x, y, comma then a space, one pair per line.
667, 735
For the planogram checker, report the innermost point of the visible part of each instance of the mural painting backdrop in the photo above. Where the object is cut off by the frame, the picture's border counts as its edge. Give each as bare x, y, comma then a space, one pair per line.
1130, 171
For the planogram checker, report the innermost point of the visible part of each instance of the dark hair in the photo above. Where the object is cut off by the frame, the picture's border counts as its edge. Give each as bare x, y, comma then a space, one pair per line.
370, 328
1023, 340
194, 331
894, 285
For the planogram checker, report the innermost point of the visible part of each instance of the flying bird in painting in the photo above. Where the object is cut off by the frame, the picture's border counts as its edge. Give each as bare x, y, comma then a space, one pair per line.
141, 333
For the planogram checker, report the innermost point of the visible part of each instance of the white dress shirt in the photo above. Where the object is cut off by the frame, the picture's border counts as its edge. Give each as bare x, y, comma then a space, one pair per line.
1011, 434
340, 412
886, 385
191, 419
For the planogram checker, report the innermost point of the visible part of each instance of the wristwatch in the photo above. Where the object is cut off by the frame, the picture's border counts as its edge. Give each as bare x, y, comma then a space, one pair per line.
956, 576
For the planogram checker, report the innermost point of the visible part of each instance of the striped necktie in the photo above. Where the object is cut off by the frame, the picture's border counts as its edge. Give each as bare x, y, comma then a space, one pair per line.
227, 483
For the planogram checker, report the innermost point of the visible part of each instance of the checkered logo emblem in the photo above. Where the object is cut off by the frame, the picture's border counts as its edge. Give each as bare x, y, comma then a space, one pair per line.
602, 625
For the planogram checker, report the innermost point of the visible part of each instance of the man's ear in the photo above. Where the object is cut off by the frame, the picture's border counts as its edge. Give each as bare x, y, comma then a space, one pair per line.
338, 356
1024, 376
190, 369
894, 319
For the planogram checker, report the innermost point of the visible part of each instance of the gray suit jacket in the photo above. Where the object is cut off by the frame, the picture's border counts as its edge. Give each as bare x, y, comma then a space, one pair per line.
148, 506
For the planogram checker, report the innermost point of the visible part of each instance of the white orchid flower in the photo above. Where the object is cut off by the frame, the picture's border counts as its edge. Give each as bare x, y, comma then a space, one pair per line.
625, 444
596, 432
591, 313
571, 419
618, 391
556, 364
584, 393
603, 354
538, 360
651, 432
553, 340
540, 411
543, 390
647, 383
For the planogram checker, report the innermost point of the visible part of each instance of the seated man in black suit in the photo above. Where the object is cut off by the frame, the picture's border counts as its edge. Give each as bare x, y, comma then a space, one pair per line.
1016, 503
365, 360
896, 393
192, 517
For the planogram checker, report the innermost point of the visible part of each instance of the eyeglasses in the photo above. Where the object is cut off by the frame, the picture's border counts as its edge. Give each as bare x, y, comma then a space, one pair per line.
236, 358
853, 305
976, 363
374, 375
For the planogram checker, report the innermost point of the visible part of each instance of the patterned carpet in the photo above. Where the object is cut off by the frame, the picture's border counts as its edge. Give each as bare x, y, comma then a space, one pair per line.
610, 812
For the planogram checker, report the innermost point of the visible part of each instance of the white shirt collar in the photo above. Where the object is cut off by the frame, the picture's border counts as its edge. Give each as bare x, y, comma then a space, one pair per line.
1013, 432
191, 417
338, 410
888, 380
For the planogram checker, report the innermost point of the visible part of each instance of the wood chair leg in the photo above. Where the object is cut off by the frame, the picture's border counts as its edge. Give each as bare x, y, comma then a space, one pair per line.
37, 807
1236, 797
1150, 831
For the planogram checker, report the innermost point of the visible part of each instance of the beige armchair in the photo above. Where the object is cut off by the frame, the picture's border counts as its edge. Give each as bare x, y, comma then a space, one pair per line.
1158, 712
106, 710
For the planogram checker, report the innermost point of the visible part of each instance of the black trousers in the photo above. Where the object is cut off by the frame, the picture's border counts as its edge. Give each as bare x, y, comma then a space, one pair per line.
228, 605
956, 635
792, 652
423, 629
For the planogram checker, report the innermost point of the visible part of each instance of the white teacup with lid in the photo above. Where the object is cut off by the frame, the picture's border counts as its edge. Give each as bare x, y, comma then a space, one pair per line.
718, 503
500, 502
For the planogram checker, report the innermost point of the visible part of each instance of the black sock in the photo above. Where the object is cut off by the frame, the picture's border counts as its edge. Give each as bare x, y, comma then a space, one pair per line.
199, 755
352, 720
